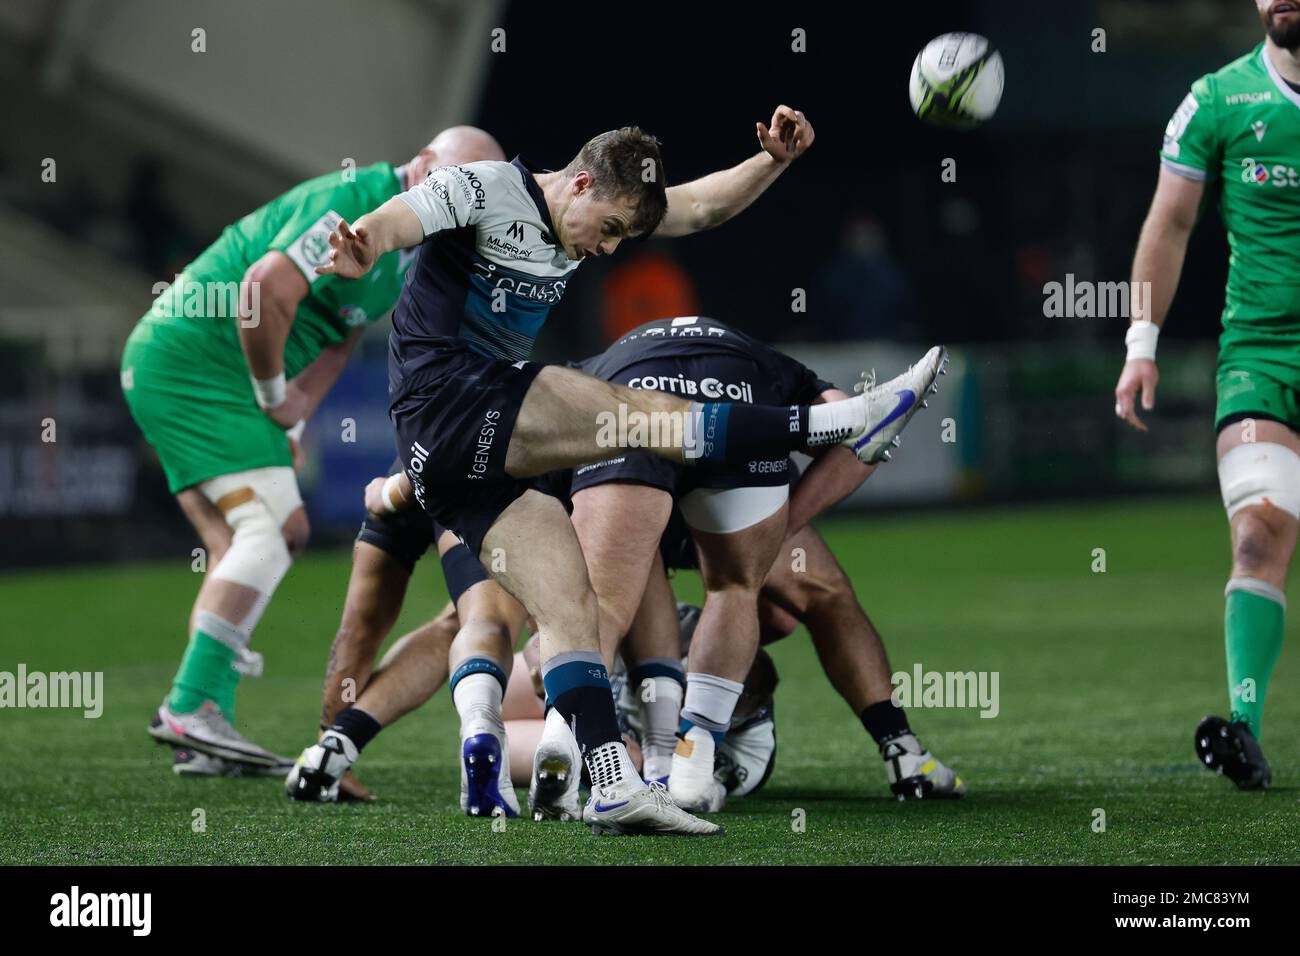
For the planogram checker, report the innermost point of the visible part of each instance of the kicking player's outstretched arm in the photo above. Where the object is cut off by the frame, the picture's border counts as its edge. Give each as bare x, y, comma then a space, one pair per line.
833, 475
447, 199
264, 322
1157, 265
713, 199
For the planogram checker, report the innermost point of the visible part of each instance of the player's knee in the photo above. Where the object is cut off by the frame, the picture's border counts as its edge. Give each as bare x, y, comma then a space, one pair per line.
1256, 544
296, 532
824, 589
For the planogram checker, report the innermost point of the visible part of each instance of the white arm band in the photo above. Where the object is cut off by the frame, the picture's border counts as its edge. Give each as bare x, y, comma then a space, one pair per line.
390, 486
269, 391
1141, 340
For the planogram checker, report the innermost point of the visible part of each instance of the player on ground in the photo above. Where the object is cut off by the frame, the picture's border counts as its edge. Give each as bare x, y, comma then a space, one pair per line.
476, 420
1239, 131
240, 351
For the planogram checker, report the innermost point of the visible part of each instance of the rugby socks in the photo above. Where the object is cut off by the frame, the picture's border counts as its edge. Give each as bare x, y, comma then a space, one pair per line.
710, 702
884, 721
727, 433
1252, 626
477, 687
357, 726
734, 433
577, 685
207, 672
658, 683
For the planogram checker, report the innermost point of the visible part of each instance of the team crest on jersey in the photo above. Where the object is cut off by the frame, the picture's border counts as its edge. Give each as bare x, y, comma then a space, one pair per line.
353, 316
312, 248
1178, 124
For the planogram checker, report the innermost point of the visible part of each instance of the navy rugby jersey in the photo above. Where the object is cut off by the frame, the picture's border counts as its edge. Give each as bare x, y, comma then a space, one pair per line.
694, 337
486, 274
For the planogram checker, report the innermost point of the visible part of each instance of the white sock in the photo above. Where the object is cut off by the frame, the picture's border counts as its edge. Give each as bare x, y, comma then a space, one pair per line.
610, 765
478, 701
710, 700
832, 422
659, 718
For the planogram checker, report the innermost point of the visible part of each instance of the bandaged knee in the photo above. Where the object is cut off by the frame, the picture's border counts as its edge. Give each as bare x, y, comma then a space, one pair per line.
1260, 473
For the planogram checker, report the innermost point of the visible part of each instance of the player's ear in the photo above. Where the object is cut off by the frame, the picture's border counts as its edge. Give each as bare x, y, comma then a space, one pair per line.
581, 182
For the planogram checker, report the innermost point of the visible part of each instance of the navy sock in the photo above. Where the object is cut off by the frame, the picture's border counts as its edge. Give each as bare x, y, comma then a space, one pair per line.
478, 665
735, 433
642, 671
577, 685
358, 726
883, 720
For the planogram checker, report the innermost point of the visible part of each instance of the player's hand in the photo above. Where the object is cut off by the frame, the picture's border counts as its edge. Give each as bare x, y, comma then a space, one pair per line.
299, 456
1139, 377
375, 504
292, 410
788, 138
352, 252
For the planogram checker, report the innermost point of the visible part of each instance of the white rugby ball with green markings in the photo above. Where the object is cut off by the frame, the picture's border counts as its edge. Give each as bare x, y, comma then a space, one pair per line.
956, 81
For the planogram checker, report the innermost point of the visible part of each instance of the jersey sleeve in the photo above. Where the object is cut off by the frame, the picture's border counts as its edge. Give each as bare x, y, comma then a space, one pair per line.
1192, 147
307, 220
449, 198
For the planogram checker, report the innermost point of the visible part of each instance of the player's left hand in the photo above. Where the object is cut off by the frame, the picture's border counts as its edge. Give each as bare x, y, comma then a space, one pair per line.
789, 136
374, 496
292, 410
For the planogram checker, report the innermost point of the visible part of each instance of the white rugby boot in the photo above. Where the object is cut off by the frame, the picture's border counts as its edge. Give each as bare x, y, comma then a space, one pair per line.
633, 808
208, 731
557, 771
691, 782
316, 774
915, 773
890, 406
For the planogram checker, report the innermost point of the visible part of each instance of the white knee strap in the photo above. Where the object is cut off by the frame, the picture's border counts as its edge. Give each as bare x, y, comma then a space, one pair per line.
724, 510
255, 504
1259, 473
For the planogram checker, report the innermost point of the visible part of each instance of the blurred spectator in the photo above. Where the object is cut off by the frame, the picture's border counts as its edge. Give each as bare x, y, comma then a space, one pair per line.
650, 286
861, 292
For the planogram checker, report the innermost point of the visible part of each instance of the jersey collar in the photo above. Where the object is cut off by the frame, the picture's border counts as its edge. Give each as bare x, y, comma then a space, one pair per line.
1283, 87
526, 170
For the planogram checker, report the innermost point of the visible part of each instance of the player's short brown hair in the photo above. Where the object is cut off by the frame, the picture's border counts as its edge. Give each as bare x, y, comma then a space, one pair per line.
625, 164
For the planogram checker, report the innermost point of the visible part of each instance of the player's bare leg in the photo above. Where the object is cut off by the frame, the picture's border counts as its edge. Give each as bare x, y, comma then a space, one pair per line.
552, 583
733, 565
820, 595
267, 528
1259, 474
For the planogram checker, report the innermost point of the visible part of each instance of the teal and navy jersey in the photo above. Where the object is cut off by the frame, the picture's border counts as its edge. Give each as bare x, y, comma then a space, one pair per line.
487, 273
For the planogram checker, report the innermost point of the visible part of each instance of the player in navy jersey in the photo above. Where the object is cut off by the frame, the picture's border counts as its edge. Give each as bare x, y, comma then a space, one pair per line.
476, 420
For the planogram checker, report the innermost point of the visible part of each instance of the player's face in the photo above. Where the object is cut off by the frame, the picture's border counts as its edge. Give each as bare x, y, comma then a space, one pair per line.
592, 226
1281, 19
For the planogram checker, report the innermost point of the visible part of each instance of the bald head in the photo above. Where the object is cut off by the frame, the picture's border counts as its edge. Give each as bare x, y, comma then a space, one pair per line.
455, 146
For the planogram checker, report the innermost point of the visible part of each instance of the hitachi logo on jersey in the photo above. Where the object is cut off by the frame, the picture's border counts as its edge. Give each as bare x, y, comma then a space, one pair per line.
1260, 97
486, 435
706, 387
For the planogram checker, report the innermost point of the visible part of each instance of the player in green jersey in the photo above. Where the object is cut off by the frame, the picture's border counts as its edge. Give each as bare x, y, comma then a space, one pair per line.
220, 374
1238, 131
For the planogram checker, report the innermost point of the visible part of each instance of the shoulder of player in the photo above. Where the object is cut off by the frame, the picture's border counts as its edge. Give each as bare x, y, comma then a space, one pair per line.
350, 192
1243, 74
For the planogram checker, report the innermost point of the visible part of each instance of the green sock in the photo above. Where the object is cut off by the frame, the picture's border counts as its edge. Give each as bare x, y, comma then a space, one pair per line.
1252, 628
205, 673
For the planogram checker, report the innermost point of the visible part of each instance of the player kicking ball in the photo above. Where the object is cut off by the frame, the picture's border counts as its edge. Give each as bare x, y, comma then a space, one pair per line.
1239, 128
220, 392
476, 420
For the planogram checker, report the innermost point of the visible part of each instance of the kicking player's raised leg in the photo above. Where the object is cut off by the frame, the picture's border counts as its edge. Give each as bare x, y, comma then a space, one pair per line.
820, 595
568, 418
737, 532
552, 583
1259, 475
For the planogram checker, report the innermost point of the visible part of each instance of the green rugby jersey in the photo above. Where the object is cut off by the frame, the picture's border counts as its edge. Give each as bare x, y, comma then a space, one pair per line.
1239, 131
192, 321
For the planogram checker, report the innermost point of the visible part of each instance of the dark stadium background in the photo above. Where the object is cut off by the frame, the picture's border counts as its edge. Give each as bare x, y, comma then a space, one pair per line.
1058, 183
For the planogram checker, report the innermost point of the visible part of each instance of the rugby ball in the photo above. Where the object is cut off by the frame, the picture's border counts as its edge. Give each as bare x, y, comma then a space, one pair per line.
956, 81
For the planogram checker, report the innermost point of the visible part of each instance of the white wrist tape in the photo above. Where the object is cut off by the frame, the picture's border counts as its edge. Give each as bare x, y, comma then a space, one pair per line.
296, 431
390, 486
269, 391
1141, 340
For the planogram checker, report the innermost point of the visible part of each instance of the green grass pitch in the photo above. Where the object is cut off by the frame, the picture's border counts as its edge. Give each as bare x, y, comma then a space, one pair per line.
1102, 678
